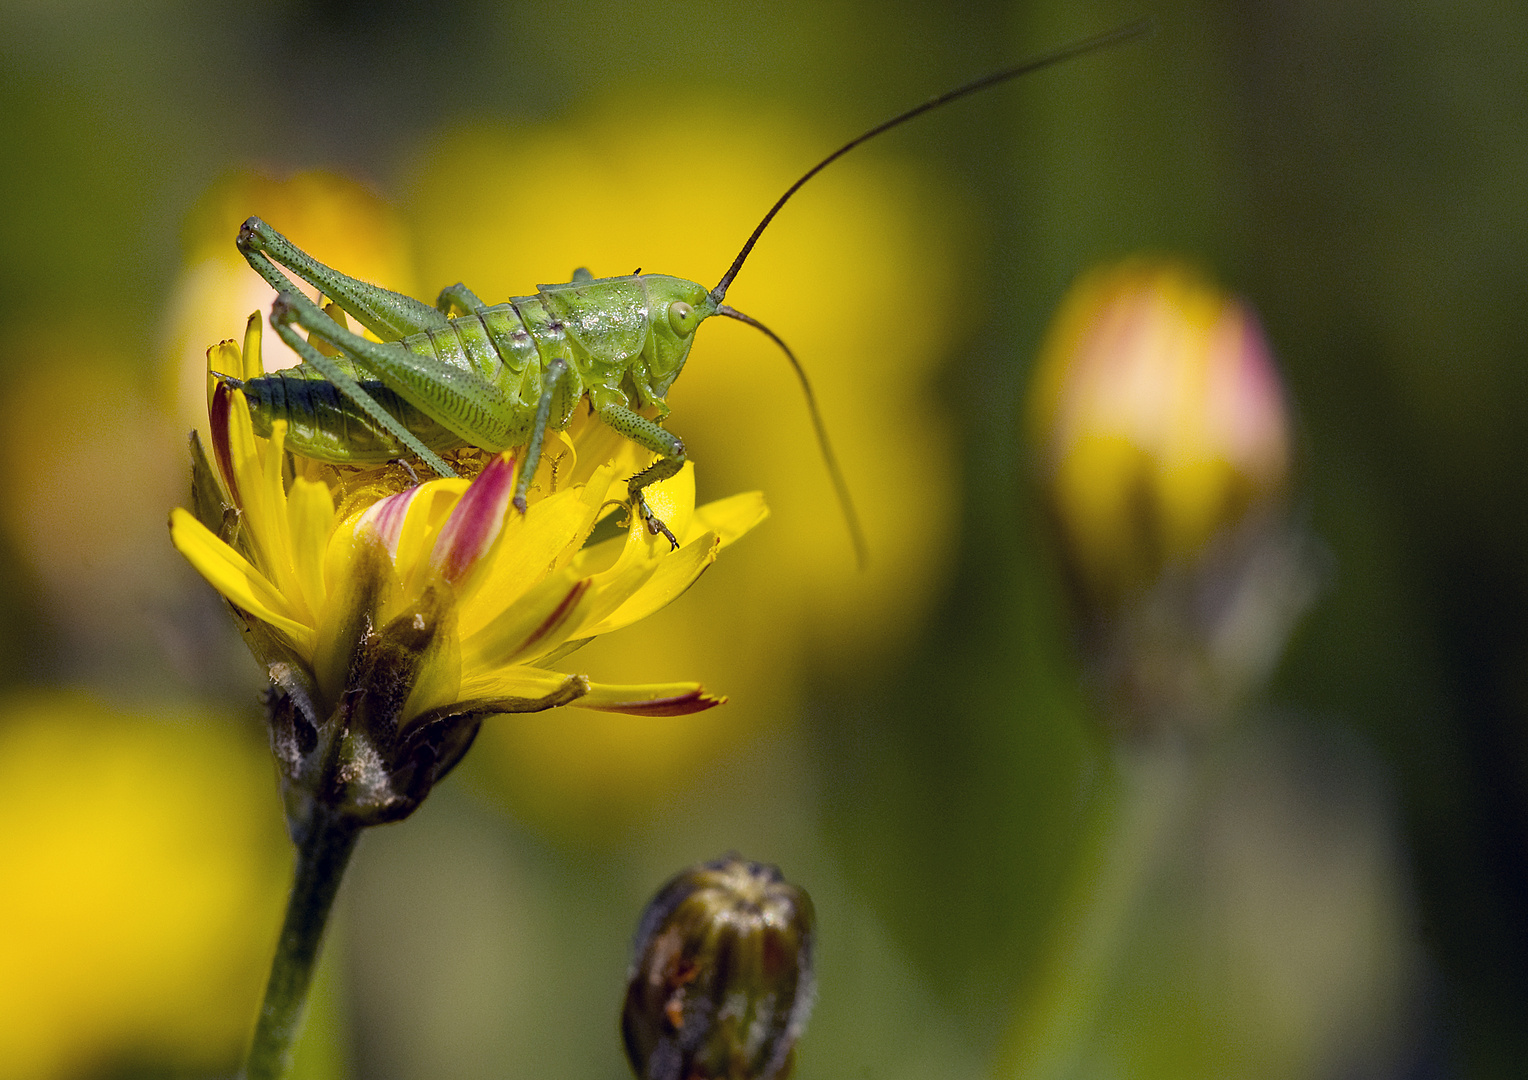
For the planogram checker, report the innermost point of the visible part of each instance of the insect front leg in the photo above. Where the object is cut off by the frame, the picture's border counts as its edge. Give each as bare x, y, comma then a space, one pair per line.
390, 315
642, 431
291, 308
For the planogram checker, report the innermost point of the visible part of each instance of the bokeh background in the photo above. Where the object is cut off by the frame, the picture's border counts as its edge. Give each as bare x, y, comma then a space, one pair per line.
913, 745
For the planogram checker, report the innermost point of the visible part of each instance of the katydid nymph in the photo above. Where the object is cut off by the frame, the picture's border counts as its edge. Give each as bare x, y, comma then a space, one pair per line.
499, 376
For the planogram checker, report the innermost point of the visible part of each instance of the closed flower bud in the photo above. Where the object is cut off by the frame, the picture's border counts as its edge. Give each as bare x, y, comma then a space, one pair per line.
1160, 418
720, 985
1163, 439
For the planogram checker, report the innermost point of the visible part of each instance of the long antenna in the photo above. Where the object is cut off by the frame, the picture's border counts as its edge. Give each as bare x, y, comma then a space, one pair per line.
856, 533
1065, 52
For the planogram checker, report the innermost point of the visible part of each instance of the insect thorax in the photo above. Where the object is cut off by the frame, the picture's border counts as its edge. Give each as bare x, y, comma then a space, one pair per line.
622, 328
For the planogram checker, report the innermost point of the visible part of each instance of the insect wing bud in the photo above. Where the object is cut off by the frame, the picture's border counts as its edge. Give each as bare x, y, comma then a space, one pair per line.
720, 985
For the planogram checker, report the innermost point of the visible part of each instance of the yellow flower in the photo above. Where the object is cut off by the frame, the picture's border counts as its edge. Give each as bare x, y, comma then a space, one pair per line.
140, 888
1160, 417
393, 617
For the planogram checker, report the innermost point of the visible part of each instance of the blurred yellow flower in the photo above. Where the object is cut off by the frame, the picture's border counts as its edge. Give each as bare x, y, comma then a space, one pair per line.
394, 617
859, 276
1160, 419
93, 534
141, 887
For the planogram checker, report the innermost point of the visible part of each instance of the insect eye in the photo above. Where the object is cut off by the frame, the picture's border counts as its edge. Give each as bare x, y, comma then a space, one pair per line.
681, 317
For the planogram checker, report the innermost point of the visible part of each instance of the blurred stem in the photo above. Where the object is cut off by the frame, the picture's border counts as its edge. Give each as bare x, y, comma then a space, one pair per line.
1126, 843
321, 861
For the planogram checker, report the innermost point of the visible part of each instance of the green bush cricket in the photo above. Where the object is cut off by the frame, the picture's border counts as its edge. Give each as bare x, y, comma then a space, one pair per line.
500, 376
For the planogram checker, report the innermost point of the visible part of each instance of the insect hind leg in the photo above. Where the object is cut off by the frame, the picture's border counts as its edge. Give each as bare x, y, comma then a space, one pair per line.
644, 432
390, 315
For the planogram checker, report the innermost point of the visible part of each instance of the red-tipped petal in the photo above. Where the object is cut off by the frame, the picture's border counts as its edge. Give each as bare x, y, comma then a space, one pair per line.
688, 698
476, 520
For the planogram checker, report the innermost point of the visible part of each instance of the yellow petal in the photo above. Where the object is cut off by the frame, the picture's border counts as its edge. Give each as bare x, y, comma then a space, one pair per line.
439, 679
673, 500
518, 682
272, 526
595, 496
615, 579
476, 522
341, 551
361, 582
254, 363
624, 574
526, 552
427, 512
729, 518
533, 625
613, 587
222, 359
261, 497
310, 509
243, 451
654, 699
599, 444
383, 520
599, 558
672, 576
230, 574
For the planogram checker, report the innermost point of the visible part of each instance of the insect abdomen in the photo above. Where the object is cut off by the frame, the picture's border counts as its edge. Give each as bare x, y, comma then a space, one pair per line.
324, 424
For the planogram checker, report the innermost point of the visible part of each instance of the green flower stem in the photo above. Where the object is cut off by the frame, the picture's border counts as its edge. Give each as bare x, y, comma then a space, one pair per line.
321, 861
1126, 843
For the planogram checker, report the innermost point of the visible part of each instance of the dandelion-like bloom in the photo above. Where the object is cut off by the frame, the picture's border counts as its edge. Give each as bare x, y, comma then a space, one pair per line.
394, 617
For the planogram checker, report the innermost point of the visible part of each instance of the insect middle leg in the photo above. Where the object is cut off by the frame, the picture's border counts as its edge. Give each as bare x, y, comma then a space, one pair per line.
644, 432
461, 298
556, 372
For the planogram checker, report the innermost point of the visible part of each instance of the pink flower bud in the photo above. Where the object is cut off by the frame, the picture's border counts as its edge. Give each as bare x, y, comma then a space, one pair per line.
1160, 420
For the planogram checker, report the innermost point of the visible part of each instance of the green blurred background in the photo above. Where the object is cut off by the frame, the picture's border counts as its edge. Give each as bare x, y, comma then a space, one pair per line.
1356, 170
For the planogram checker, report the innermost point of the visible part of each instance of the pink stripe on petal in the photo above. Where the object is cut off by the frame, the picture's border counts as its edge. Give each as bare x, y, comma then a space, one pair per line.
475, 521
554, 621
384, 519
